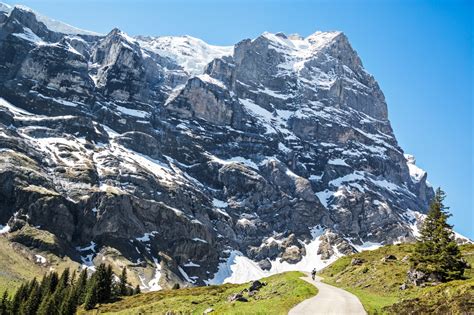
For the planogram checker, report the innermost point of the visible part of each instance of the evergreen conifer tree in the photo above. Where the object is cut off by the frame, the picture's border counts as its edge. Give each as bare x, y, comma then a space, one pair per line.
69, 303
80, 287
20, 296
137, 290
32, 285
90, 299
47, 306
436, 252
109, 281
53, 281
4, 304
57, 297
103, 281
73, 277
30, 306
123, 289
64, 279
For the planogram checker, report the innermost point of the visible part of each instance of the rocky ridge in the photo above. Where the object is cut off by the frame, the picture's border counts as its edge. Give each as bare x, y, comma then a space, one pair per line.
191, 163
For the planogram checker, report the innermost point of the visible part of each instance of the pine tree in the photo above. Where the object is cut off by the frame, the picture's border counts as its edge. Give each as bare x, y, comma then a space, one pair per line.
20, 296
4, 304
137, 290
30, 306
57, 297
103, 282
64, 279
32, 285
109, 282
90, 299
123, 289
52, 289
80, 287
69, 303
73, 277
44, 284
47, 306
49, 283
436, 252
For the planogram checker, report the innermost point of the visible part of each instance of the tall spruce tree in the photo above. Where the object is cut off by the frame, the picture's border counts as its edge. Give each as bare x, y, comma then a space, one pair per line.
30, 306
123, 285
436, 252
69, 303
20, 296
90, 299
103, 278
47, 306
80, 287
109, 283
101, 281
64, 279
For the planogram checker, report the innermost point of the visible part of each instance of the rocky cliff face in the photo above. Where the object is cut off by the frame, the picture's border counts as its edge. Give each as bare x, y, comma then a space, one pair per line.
191, 163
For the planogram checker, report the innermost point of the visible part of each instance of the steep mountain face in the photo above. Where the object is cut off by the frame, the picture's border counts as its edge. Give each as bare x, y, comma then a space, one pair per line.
191, 163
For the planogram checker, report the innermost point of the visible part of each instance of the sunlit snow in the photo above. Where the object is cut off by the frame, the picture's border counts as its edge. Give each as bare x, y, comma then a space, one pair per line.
240, 269
190, 53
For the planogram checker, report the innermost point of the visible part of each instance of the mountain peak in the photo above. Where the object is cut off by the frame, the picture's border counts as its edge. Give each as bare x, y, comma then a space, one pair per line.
51, 24
323, 38
116, 32
313, 42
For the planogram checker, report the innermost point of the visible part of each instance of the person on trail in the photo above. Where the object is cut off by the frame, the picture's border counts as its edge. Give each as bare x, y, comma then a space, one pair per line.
313, 273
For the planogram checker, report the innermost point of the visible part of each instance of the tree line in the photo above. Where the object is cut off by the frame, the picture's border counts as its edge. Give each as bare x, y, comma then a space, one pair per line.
62, 294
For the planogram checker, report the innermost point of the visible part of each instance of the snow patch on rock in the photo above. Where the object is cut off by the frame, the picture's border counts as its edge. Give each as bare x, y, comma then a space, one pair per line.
40, 259
4, 229
416, 173
192, 54
240, 269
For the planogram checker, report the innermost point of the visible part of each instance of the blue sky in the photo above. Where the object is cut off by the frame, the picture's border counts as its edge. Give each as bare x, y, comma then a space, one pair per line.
420, 52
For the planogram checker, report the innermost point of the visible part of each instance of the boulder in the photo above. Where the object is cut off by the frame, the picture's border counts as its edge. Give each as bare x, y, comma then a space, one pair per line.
236, 297
419, 278
388, 258
265, 264
357, 261
256, 285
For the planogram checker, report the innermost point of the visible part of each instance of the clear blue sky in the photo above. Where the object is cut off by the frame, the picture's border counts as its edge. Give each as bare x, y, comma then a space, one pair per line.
421, 53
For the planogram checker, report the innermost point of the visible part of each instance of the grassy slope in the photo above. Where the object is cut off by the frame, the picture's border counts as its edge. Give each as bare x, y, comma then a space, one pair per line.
15, 267
18, 263
456, 297
377, 283
282, 292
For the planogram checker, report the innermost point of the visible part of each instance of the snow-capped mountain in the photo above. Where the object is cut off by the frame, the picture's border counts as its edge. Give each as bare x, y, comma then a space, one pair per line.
192, 163
51, 24
191, 54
